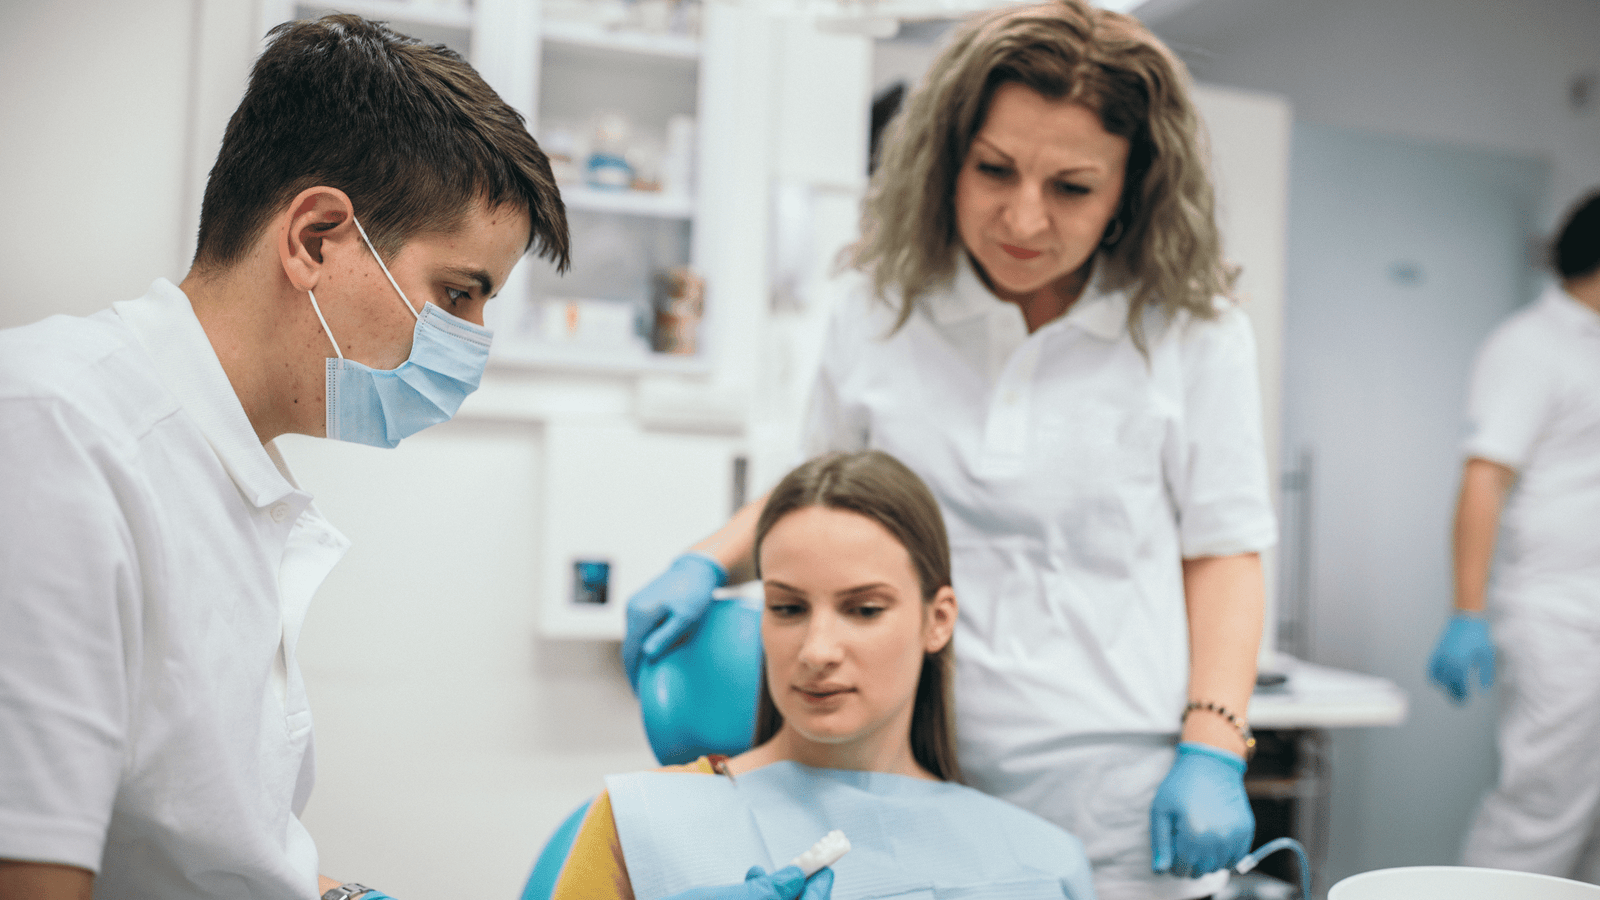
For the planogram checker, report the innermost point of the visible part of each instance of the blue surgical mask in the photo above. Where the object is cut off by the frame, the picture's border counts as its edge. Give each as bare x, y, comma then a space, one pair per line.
378, 407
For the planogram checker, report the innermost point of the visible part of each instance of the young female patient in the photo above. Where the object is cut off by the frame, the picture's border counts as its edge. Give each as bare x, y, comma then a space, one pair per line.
854, 729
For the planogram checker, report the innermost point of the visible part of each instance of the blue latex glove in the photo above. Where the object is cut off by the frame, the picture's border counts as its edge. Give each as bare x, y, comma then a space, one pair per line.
1464, 645
788, 883
666, 610
1200, 821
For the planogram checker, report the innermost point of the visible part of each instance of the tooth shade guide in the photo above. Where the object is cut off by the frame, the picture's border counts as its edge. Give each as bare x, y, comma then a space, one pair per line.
824, 852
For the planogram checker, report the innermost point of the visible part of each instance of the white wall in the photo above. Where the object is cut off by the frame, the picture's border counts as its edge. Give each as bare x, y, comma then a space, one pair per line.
1480, 73
94, 103
1404, 255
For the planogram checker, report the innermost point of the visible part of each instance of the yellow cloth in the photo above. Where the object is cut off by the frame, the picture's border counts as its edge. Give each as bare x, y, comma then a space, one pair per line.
595, 867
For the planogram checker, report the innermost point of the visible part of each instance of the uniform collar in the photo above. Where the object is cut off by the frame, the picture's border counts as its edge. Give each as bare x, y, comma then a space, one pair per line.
164, 322
1569, 310
1098, 312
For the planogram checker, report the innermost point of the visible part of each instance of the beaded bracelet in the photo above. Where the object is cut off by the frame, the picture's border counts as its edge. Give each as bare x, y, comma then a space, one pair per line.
1239, 725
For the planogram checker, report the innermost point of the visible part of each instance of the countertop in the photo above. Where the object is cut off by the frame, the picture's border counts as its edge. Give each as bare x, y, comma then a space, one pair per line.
1316, 696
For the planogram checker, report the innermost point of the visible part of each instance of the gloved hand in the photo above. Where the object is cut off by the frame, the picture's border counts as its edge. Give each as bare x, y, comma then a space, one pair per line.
667, 609
788, 883
1465, 644
1200, 821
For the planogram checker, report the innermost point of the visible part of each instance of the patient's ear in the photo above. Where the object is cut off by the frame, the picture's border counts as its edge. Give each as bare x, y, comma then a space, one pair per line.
939, 619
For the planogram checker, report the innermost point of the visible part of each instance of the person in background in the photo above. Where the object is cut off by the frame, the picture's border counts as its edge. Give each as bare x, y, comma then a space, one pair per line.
371, 194
1532, 477
853, 725
1046, 340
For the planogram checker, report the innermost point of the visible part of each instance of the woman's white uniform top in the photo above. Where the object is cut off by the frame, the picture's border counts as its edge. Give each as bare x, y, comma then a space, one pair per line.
1534, 405
1074, 475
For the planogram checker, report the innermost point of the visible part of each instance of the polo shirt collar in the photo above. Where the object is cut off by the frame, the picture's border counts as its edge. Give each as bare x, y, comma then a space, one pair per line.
1101, 313
164, 323
1570, 311
1098, 312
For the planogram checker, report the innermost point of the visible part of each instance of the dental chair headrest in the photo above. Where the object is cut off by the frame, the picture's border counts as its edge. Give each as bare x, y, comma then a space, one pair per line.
699, 698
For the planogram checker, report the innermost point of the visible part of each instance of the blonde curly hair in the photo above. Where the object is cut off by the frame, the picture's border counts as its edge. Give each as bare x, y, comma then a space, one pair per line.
1167, 252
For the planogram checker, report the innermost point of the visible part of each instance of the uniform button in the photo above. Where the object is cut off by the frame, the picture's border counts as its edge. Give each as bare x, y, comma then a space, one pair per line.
1011, 398
279, 512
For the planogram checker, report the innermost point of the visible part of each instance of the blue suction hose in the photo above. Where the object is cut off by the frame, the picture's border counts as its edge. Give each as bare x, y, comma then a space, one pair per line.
1273, 846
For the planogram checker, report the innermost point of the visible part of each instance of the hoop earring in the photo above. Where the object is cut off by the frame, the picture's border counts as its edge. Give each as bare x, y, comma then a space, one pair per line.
1113, 233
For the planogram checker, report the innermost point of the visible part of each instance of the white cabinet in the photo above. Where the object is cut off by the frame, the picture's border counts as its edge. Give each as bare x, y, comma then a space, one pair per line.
617, 111
570, 80
627, 499
451, 24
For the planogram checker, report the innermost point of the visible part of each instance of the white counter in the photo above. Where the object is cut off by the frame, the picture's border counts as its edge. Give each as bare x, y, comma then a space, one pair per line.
1322, 697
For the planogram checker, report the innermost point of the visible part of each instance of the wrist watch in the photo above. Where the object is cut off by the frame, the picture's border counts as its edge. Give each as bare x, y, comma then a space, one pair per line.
346, 891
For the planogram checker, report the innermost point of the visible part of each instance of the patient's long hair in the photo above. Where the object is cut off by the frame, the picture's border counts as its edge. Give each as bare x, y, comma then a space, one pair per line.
876, 485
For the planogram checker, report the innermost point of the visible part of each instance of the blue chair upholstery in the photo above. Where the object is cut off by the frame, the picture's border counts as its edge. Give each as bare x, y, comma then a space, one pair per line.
699, 698
542, 882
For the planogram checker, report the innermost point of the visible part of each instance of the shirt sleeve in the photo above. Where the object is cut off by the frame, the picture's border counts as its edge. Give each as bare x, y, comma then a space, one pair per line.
67, 572
1510, 399
1220, 479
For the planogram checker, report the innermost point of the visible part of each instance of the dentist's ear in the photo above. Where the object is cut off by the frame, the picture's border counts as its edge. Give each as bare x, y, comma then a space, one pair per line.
315, 216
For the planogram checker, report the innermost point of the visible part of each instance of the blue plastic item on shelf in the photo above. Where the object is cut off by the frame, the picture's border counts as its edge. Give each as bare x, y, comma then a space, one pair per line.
607, 170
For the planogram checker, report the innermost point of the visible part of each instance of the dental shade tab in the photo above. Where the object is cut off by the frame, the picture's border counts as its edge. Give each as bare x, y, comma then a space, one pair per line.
823, 853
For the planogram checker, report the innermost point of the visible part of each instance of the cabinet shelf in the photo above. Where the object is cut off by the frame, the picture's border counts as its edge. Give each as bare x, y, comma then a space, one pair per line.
568, 358
653, 204
667, 46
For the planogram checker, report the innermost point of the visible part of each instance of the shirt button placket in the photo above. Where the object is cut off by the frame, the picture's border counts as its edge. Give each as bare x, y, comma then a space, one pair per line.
1006, 432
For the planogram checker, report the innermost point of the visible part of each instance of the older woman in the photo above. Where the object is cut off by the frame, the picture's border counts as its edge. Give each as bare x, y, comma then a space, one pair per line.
1045, 338
854, 728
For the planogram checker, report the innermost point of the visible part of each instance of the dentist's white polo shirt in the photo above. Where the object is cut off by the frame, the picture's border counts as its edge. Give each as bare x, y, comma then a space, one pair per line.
1074, 474
1534, 406
155, 567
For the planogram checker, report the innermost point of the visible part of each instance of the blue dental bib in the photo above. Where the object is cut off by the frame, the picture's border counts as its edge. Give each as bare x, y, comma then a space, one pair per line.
910, 838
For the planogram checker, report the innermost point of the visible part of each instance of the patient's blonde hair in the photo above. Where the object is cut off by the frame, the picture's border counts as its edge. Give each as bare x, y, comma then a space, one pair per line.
1162, 246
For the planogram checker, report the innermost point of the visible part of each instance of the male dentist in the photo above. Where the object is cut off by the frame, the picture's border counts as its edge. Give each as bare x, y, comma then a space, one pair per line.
156, 557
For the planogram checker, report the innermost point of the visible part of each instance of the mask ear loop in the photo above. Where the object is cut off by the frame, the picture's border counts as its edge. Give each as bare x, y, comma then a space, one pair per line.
324, 322
404, 300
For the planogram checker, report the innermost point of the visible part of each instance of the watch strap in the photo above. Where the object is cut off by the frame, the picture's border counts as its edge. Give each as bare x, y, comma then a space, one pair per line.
346, 891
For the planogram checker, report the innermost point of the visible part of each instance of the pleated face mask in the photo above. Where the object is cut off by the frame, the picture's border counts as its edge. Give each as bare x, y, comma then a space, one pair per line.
382, 407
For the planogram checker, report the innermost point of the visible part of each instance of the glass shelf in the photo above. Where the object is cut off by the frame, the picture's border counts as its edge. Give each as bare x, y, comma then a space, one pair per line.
654, 204
572, 358
408, 11
669, 46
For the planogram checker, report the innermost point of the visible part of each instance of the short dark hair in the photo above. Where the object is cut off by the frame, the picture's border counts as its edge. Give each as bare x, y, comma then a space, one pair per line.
409, 131
876, 485
1576, 252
